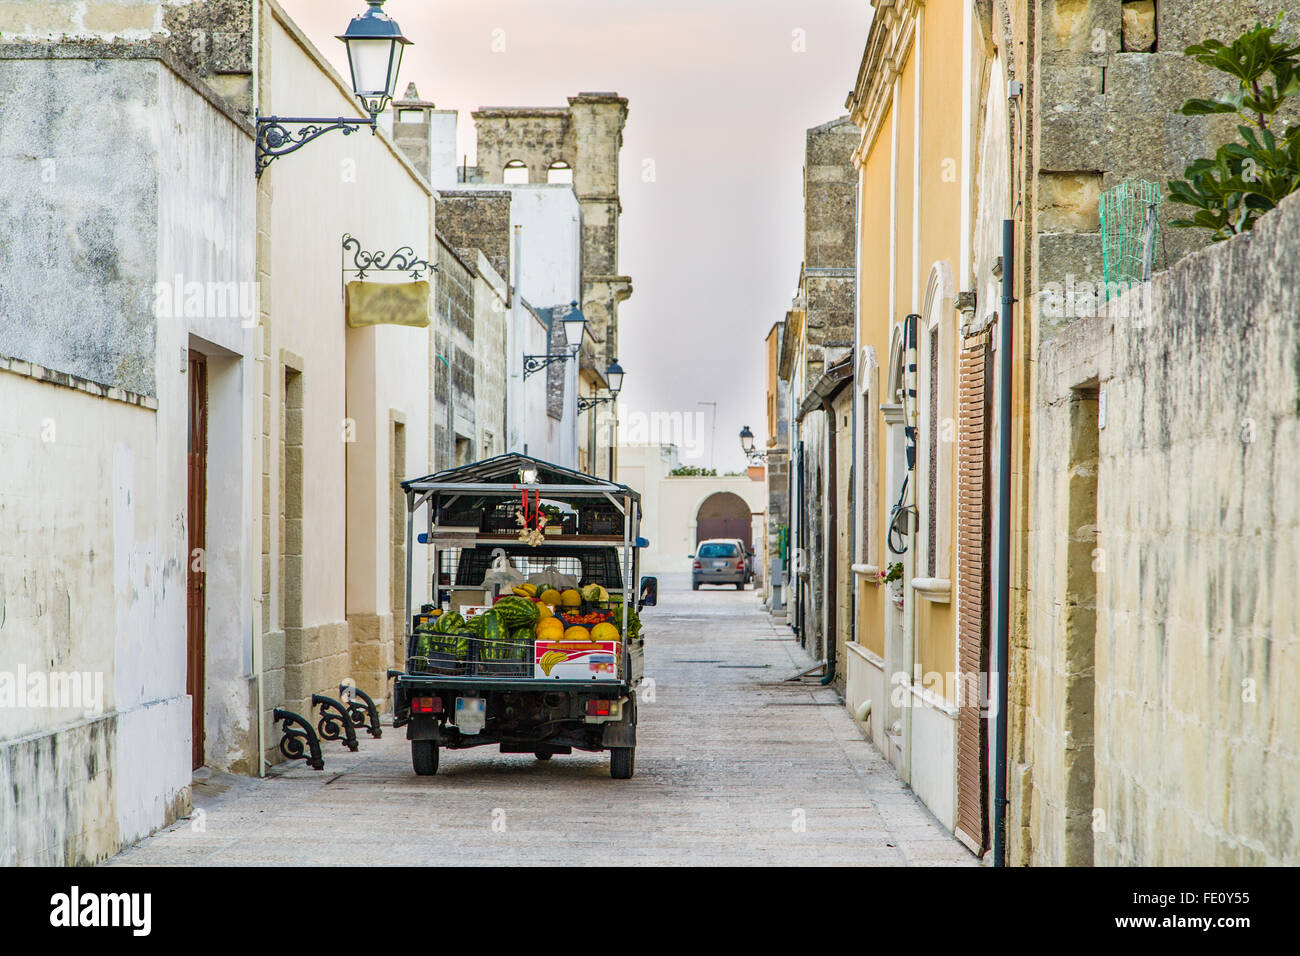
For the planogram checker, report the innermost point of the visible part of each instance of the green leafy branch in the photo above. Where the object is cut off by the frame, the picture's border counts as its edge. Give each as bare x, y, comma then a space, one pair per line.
1247, 178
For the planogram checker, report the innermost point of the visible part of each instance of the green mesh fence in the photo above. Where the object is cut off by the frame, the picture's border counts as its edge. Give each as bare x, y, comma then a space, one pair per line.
1130, 228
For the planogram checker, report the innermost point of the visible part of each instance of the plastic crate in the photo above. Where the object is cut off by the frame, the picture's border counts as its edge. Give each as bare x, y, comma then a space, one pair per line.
501, 658
444, 655
437, 664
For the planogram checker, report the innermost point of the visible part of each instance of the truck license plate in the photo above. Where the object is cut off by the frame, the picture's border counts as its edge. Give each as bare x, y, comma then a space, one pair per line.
471, 714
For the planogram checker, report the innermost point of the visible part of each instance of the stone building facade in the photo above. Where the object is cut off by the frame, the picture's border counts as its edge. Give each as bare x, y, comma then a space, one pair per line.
580, 144
816, 342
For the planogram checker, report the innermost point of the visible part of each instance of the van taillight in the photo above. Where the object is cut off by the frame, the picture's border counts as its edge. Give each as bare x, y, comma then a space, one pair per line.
426, 705
740, 565
599, 708
695, 566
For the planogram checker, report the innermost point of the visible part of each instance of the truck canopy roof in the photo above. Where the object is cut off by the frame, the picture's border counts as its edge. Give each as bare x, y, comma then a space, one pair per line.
505, 473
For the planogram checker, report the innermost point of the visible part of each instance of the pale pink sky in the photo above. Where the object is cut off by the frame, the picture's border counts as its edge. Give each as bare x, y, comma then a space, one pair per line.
719, 100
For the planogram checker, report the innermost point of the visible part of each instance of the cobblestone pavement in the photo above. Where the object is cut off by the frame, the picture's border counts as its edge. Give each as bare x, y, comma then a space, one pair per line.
733, 766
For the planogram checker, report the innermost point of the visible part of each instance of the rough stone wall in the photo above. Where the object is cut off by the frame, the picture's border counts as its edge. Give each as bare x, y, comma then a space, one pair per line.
536, 136
1197, 537
1110, 79
490, 360
471, 220
210, 39
453, 375
830, 195
830, 243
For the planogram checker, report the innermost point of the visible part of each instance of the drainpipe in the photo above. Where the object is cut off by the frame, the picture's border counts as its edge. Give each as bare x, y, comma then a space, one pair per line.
1002, 605
831, 595
259, 659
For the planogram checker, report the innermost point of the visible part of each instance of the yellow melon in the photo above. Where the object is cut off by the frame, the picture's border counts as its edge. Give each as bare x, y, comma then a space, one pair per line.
604, 632
550, 629
571, 598
545, 610
550, 596
577, 633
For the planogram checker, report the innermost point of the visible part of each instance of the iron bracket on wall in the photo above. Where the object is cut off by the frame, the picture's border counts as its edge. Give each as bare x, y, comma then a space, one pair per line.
298, 744
586, 403
281, 135
363, 712
334, 723
535, 363
401, 259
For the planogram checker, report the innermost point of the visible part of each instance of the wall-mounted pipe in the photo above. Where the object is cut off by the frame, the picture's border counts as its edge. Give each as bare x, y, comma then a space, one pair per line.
1002, 599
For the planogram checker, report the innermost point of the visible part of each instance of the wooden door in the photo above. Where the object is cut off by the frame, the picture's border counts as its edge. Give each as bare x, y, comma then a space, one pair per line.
197, 560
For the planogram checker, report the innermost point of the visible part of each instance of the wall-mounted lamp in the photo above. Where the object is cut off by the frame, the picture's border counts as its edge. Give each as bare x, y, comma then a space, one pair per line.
747, 446
575, 324
613, 375
374, 42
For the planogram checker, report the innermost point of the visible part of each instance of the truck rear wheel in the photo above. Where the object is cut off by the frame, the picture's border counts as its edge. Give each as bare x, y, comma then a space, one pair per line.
424, 757
622, 762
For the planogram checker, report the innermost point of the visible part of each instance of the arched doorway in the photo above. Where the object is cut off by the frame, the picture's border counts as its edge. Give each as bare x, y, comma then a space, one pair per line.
724, 515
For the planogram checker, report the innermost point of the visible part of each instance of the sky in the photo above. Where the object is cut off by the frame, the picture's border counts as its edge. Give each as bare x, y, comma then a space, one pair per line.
720, 95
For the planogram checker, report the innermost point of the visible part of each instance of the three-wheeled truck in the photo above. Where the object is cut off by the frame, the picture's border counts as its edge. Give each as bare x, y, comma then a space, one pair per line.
516, 518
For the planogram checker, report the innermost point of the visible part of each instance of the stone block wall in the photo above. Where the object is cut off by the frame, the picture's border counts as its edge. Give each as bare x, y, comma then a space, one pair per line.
1192, 548
475, 219
1110, 79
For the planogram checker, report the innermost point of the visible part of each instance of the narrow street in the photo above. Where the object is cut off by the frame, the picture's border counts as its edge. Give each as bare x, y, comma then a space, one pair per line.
733, 767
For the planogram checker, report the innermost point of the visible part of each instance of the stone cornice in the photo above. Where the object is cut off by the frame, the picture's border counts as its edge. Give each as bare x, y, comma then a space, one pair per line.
889, 44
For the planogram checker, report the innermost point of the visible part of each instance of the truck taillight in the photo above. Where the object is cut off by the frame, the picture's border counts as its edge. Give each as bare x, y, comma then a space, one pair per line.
426, 705
599, 708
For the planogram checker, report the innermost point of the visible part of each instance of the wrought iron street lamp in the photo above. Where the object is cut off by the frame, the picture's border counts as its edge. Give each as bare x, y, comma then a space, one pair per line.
614, 376
374, 42
575, 325
747, 446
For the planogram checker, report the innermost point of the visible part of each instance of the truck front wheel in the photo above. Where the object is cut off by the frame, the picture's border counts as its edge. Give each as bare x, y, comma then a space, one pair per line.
622, 762
424, 757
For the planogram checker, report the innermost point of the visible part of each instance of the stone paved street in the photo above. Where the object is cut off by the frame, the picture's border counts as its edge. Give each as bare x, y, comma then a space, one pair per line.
729, 759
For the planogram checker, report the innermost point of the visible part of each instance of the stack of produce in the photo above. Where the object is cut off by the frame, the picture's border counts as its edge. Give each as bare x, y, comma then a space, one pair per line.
443, 637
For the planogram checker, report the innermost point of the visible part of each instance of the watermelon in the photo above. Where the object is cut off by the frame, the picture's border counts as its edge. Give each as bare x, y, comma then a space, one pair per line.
516, 611
449, 623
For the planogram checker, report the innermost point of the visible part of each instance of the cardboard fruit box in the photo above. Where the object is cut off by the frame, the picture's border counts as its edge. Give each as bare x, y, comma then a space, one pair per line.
576, 660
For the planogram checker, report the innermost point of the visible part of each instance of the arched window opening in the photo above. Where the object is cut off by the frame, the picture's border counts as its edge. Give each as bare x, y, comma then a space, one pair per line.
515, 173
560, 172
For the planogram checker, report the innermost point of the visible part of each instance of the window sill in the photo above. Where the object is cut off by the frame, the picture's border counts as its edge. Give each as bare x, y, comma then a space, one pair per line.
869, 571
938, 590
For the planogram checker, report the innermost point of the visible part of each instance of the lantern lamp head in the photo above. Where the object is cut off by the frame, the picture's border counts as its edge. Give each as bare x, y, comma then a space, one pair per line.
374, 42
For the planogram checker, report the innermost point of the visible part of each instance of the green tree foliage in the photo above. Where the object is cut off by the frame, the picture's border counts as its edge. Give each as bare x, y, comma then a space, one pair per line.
692, 471
1246, 178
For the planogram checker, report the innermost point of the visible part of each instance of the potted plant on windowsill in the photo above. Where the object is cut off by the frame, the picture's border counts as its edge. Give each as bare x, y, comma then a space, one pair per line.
892, 577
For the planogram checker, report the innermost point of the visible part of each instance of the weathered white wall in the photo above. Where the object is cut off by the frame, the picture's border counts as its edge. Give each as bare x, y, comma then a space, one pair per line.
93, 504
